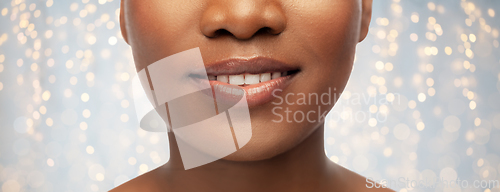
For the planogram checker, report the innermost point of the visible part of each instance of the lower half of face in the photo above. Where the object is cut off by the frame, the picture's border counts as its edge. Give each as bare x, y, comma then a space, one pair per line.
310, 44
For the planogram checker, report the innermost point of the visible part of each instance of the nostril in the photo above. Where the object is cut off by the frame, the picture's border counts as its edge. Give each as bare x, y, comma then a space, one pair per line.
222, 32
264, 31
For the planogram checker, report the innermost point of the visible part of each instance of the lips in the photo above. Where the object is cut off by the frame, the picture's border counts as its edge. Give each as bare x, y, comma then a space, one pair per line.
258, 77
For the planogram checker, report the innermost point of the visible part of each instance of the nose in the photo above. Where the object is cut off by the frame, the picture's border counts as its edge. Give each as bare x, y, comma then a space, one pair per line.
242, 19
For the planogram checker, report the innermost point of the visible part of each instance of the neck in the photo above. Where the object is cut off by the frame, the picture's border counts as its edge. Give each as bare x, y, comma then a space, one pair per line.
303, 164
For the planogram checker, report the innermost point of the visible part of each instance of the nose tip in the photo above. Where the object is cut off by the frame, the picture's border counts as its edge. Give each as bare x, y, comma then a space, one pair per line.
243, 20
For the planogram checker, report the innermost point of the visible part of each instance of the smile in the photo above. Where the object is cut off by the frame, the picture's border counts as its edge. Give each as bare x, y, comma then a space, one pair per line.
258, 77
249, 79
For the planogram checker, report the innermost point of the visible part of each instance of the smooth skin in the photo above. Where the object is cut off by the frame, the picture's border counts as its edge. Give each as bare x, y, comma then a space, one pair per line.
317, 36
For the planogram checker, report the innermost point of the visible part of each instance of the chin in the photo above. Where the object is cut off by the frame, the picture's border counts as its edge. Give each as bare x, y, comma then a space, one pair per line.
254, 151
268, 143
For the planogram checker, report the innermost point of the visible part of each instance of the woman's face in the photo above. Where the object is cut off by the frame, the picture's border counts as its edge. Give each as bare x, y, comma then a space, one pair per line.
314, 40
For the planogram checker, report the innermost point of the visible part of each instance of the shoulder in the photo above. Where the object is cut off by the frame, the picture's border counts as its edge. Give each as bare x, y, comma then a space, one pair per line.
358, 183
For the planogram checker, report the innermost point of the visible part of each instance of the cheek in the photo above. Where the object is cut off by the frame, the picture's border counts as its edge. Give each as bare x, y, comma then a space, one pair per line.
330, 28
159, 28
330, 42
328, 33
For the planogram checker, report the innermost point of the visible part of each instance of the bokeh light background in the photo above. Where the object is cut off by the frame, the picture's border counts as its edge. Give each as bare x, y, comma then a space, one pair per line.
67, 121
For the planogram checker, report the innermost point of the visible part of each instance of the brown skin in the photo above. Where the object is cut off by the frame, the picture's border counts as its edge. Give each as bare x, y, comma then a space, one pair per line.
319, 37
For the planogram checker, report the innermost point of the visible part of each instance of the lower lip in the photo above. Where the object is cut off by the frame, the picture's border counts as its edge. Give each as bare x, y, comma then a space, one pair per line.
256, 94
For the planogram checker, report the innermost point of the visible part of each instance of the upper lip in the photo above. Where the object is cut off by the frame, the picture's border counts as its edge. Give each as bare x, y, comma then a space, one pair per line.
255, 65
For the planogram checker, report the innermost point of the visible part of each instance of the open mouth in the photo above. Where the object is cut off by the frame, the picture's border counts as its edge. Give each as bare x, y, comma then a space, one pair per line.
259, 78
244, 80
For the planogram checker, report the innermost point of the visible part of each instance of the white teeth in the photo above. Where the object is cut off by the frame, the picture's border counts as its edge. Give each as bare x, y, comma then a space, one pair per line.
223, 78
251, 79
265, 77
247, 79
276, 75
236, 79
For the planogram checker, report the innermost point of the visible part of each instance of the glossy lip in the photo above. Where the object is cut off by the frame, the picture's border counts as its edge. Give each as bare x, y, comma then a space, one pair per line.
256, 94
254, 65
